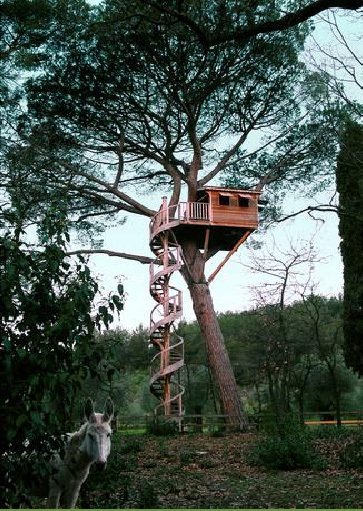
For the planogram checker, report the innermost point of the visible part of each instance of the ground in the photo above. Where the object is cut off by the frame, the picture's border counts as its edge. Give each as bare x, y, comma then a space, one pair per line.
209, 471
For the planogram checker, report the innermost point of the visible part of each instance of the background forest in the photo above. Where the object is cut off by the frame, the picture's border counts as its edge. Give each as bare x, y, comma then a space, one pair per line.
300, 369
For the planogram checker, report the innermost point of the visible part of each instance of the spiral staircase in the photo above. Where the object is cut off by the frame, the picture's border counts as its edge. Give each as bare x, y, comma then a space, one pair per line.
168, 348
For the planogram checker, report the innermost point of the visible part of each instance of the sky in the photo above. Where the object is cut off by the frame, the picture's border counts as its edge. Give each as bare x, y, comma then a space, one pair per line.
233, 288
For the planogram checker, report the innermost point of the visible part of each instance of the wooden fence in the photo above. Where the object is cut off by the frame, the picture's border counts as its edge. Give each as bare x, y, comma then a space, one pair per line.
213, 423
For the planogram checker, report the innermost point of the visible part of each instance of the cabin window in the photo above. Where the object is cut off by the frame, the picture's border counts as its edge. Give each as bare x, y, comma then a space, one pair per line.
223, 199
243, 202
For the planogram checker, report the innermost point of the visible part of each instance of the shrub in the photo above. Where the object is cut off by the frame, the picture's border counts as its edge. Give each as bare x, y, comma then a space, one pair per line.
331, 433
270, 423
147, 497
287, 452
162, 426
129, 445
220, 432
186, 457
352, 455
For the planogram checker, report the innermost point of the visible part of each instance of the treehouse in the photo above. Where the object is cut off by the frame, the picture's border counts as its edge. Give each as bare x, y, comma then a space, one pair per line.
220, 219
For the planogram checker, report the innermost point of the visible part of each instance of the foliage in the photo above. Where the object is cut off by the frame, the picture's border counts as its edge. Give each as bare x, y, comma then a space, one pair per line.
352, 456
199, 396
331, 434
290, 451
113, 74
122, 372
319, 392
47, 344
313, 333
349, 176
161, 426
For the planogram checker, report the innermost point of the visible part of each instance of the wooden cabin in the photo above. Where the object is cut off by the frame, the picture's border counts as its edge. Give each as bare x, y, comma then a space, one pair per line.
218, 219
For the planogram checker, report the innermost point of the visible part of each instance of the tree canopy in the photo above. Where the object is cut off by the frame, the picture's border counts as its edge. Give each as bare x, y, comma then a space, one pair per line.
133, 99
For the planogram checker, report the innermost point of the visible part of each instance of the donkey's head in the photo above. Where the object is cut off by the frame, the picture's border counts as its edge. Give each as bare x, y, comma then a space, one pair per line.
97, 441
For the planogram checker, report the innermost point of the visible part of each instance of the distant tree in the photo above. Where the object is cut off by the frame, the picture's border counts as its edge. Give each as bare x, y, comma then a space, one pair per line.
320, 395
200, 394
350, 187
338, 56
324, 324
317, 377
286, 273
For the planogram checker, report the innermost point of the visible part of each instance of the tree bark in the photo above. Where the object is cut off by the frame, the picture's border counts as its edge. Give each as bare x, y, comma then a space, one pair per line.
218, 357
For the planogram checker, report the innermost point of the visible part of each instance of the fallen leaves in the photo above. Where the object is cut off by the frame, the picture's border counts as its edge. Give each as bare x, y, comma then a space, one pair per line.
201, 471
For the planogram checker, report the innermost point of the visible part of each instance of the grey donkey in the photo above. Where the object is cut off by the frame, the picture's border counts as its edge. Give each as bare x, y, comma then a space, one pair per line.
90, 444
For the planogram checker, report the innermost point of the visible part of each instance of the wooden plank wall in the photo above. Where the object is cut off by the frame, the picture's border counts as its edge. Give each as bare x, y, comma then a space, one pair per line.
234, 215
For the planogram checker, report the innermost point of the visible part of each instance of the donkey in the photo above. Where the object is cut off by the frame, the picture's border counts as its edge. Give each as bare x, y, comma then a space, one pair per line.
90, 444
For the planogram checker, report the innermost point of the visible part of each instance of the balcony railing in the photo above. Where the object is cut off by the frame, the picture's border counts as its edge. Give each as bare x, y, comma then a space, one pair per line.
181, 212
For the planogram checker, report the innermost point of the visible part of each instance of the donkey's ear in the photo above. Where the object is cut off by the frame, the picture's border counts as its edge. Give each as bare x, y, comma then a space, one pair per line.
109, 410
89, 409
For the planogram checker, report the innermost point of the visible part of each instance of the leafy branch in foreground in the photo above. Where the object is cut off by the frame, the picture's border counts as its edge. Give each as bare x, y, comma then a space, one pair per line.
48, 322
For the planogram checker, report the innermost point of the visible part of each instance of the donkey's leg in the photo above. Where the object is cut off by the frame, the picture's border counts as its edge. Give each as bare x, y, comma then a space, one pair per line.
55, 484
70, 495
53, 496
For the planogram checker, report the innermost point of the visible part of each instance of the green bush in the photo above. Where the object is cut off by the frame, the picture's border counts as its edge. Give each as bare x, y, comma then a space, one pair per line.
147, 497
352, 456
129, 445
330, 432
269, 423
186, 457
288, 452
162, 426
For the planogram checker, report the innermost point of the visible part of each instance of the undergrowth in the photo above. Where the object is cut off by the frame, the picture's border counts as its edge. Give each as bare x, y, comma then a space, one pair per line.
352, 455
290, 452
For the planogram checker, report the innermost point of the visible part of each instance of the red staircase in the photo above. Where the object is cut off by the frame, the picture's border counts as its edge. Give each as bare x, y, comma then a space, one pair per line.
166, 364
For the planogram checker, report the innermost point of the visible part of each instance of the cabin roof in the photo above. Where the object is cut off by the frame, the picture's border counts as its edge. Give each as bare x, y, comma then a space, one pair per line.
227, 190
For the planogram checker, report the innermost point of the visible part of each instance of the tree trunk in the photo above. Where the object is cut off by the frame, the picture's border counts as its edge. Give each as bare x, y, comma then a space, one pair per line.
336, 392
300, 401
218, 357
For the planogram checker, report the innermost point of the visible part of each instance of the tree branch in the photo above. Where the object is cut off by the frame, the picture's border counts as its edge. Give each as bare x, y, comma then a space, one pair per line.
242, 34
223, 162
326, 208
132, 257
120, 195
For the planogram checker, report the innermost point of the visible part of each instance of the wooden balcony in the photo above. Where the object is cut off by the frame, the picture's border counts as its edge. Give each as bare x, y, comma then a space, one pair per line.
226, 223
181, 213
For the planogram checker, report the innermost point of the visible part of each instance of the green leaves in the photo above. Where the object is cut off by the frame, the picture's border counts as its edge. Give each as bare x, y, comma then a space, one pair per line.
47, 344
350, 187
115, 303
290, 452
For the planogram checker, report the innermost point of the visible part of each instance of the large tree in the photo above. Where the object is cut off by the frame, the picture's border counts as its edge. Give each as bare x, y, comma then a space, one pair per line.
350, 187
130, 97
